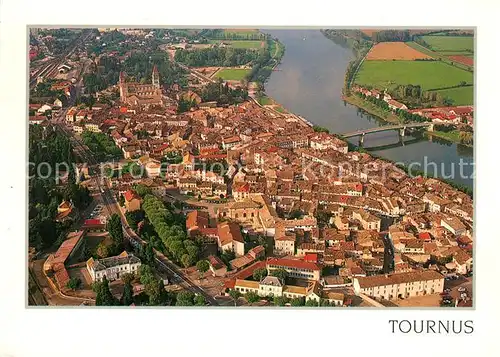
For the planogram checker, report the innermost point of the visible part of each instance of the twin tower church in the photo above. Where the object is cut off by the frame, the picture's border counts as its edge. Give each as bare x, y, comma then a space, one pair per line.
136, 94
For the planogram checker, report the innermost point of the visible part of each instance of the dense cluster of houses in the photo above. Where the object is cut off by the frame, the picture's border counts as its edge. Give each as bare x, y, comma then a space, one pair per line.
324, 208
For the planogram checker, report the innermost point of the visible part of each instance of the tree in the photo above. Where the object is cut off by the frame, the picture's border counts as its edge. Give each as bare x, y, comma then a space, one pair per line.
280, 273
127, 277
312, 303
128, 294
103, 294
149, 255
115, 230
74, 283
102, 250
235, 295
199, 300
280, 300
186, 260
202, 266
252, 297
259, 274
185, 298
299, 301
146, 274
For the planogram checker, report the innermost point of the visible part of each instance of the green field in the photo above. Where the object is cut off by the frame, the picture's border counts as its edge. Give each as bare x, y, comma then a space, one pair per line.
460, 96
427, 74
443, 56
232, 74
250, 44
456, 44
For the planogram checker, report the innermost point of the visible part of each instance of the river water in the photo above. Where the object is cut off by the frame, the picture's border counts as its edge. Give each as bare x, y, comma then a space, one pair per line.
309, 82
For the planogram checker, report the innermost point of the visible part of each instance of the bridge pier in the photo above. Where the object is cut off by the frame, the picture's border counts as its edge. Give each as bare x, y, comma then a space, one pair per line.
361, 140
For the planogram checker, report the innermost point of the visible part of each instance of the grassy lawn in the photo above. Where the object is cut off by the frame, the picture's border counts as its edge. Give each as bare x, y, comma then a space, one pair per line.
250, 44
428, 74
232, 74
450, 43
276, 49
246, 44
264, 100
460, 96
453, 135
373, 109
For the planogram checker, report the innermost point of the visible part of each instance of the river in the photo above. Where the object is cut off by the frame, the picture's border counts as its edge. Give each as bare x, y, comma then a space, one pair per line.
309, 82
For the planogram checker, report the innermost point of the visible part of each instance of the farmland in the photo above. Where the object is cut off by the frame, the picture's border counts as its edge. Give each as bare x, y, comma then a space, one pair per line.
428, 74
394, 51
468, 61
443, 56
455, 44
460, 95
232, 74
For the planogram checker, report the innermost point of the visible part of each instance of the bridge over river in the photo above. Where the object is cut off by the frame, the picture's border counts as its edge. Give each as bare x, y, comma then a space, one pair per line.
399, 127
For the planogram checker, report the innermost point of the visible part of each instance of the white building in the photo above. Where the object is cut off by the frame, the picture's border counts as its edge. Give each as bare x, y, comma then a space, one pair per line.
113, 267
400, 285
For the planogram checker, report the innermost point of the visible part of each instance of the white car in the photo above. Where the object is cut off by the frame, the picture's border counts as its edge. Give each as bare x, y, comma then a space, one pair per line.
462, 289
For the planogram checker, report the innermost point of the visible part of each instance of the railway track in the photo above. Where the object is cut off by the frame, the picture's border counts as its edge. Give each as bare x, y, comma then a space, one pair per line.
50, 68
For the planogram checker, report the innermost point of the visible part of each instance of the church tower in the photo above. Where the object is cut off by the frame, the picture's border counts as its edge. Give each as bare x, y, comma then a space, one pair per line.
123, 87
156, 77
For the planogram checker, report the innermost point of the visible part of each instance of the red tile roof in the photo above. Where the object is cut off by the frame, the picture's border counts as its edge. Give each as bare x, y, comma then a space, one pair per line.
91, 222
311, 257
292, 263
424, 236
130, 195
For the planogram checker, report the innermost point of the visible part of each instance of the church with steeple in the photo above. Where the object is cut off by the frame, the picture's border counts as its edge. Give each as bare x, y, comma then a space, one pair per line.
136, 94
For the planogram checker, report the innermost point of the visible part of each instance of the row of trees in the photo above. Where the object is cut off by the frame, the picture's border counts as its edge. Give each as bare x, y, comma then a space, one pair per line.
233, 35
216, 56
392, 36
223, 94
169, 227
101, 145
48, 150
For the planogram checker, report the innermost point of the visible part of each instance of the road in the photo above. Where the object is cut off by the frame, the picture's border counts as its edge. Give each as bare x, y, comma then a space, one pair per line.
111, 206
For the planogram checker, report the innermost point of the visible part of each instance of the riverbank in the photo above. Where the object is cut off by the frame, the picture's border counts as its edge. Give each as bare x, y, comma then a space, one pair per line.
452, 136
372, 109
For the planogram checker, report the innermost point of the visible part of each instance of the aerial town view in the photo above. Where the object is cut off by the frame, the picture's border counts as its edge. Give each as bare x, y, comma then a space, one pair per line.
247, 168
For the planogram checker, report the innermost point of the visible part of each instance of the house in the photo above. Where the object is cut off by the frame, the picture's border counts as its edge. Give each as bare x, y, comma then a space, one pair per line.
217, 267
273, 286
284, 244
37, 119
229, 142
393, 104
195, 221
70, 115
188, 161
113, 267
463, 262
132, 201
454, 225
400, 285
367, 219
153, 168
229, 238
241, 191
296, 268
